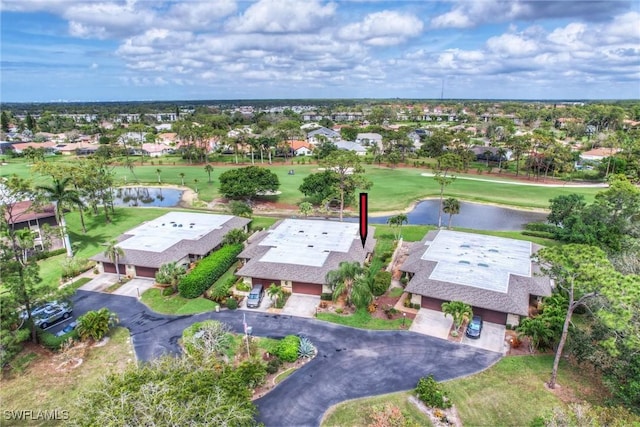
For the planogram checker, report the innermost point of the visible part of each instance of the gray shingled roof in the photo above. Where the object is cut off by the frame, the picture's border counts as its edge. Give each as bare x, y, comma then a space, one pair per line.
179, 250
296, 272
515, 300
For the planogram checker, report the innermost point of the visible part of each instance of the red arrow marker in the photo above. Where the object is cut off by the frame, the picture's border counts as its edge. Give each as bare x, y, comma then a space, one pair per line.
364, 218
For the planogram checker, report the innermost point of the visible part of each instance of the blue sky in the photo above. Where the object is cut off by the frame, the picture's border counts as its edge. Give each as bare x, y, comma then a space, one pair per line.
63, 50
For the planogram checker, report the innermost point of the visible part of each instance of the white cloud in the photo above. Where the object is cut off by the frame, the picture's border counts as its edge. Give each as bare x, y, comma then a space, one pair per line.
196, 16
105, 20
282, 16
512, 45
383, 28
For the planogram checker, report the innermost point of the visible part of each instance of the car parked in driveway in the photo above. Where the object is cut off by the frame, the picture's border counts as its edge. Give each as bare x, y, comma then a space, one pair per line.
37, 310
474, 328
54, 313
255, 296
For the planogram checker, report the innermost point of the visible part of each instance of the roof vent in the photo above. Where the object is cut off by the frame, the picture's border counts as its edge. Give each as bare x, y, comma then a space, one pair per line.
494, 250
465, 246
482, 264
301, 231
462, 261
175, 225
179, 225
309, 246
324, 232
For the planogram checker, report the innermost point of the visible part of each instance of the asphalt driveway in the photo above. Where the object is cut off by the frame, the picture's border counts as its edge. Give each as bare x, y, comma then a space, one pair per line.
351, 363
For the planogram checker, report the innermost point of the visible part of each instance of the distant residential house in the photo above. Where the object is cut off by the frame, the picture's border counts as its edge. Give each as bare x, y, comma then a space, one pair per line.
163, 127
25, 215
368, 139
351, 146
301, 148
5, 147
48, 146
493, 152
598, 154
316, 136
135, 137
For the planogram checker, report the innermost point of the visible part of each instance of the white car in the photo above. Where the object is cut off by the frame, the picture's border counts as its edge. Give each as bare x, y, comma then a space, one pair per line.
53, 314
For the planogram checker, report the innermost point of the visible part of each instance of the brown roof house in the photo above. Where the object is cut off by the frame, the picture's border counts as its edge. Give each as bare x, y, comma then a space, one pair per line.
25, 214
494, 275
181, 237
297, 254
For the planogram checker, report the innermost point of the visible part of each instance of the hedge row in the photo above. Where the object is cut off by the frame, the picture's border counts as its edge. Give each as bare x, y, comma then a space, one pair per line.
53, 342
208, 270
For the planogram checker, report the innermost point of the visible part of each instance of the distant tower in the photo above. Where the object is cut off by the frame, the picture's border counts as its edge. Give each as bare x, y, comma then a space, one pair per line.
442, 91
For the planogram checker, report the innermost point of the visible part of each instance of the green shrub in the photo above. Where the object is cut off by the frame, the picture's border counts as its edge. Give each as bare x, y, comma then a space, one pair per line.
167, 291
381, 283
540, 226
53, 342
242, 286
543, 234
429, 391
232, 303
251, 373
326, 296
208, 270
273, 365
48, 254
305, 349
222, 289
287, 348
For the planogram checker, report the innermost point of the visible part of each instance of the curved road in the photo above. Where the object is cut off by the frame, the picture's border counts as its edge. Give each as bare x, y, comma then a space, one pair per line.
350, 363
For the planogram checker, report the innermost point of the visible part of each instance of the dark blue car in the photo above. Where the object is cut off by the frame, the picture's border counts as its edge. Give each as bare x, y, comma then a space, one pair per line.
474, 328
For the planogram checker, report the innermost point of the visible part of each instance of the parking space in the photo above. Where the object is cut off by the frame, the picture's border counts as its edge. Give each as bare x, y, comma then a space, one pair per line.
491, 338
134, 287
301, 305
432, 323
100, 282
265, 305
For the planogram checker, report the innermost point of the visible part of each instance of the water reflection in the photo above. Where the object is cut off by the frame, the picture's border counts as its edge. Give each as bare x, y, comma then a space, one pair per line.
472, 215
147, 196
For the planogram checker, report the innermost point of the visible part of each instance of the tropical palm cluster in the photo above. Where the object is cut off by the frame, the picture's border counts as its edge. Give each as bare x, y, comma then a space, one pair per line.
354, 284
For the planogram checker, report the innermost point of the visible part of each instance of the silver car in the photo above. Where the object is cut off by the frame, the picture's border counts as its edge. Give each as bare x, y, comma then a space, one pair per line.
53, 314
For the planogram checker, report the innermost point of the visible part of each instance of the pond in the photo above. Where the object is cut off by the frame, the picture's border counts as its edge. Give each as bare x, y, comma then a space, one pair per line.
472, 215
147, 196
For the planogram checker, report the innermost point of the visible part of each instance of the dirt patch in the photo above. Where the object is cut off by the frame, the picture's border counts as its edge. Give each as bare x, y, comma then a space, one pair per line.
438, 417
270, 380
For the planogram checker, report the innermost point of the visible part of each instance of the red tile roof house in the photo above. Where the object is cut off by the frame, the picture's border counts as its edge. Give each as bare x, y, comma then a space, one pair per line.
25, 215
301, 148
494, 275
181, 237
297, 254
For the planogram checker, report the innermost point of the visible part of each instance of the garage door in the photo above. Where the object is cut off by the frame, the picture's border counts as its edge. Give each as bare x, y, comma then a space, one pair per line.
432, 303
146, 271
491, 315
110, 267
306, 288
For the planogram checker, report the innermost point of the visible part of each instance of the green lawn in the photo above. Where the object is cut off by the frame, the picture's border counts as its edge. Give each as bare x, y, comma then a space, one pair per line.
175, 304
363, 320
42, 387
356, 412
512, 392
385, 195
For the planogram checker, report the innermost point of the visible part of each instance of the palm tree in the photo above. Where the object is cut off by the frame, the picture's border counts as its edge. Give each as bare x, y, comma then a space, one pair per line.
341, 280
502, 153
234, 237
181, 174
458, 310
208, 168
540, 333
114, 252
96, 324
275, 293
451, 206
487, 156
60, 195
396, 222
158, 173
170, 274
